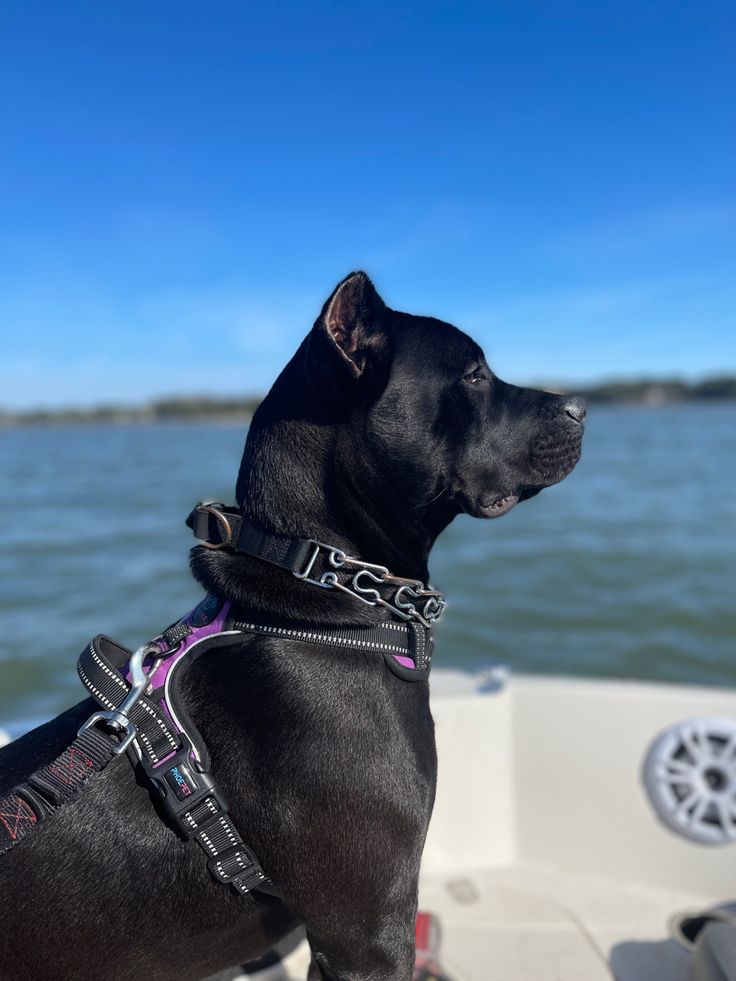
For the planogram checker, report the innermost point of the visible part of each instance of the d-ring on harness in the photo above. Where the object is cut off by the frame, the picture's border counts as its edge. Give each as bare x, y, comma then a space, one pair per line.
143, 713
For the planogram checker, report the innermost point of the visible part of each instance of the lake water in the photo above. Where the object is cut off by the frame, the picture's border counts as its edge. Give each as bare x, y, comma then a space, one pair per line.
626, 569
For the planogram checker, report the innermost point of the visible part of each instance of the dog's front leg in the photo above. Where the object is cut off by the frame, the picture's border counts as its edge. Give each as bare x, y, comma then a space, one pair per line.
371, 948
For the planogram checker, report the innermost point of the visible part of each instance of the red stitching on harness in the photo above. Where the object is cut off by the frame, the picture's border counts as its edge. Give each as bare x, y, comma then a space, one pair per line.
71, 766
17, 821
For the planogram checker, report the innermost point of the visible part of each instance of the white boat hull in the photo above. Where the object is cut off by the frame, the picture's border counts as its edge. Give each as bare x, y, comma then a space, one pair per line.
545, 859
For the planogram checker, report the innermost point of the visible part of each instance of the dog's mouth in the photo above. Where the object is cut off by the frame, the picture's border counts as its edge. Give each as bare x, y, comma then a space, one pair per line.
499, 506
490, 506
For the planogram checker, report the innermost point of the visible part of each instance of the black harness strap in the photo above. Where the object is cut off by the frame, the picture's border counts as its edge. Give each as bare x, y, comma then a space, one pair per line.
98, 669
229, 858
397, 642
54, 784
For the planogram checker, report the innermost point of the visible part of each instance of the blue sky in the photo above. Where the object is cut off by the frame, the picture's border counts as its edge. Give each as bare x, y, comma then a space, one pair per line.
181, 185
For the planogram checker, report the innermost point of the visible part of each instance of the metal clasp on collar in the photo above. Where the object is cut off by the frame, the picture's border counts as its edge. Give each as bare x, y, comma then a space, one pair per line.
117, 719
431, 601
336, 558
215, 508
304, 574
372, 595
366, 594
411, 601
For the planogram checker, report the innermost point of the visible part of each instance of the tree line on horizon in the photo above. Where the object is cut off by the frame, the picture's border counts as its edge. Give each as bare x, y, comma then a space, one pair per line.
644, 391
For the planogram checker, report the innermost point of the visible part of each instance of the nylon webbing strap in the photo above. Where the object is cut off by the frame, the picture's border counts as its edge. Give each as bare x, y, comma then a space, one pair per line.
220, 527
422, 646
98, 670
53, 785
230, 859
289, 553
400, 639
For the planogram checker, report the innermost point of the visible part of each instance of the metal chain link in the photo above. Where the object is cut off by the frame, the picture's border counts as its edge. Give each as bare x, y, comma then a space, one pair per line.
412, 600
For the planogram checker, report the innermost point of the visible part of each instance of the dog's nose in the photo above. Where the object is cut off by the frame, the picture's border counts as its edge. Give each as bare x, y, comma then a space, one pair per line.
575, 408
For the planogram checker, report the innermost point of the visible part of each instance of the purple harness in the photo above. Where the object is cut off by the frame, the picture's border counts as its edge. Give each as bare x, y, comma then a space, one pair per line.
138, 695
141, 710
163, 660
164, 666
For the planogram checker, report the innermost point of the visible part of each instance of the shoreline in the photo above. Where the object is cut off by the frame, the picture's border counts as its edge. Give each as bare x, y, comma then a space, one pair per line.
649, 393
79, 419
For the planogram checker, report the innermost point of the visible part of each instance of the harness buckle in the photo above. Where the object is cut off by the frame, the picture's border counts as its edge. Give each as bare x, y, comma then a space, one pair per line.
118, 719
182, 788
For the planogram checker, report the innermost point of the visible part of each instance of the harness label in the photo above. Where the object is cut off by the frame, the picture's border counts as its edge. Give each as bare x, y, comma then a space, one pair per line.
206, 612
179, 778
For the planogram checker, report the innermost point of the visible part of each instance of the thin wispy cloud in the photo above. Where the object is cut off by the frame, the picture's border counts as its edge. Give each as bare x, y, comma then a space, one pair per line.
446, 226
523, 309
563, 336
210, 340
658, 229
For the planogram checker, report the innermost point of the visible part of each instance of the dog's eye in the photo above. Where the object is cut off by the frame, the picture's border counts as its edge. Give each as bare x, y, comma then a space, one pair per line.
476, 375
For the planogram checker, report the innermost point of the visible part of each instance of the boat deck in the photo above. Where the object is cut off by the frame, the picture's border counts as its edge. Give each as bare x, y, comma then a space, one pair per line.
520, 923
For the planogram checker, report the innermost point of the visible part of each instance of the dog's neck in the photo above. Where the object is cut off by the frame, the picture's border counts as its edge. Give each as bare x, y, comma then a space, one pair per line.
291, 483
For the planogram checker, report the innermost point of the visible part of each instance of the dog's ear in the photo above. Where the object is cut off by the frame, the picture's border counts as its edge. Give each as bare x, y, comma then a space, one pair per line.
352, 321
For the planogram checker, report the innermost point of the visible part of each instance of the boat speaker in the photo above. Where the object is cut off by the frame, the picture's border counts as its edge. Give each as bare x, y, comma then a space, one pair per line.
690, 778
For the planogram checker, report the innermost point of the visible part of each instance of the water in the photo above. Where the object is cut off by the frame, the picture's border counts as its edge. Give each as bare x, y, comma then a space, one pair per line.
626, 569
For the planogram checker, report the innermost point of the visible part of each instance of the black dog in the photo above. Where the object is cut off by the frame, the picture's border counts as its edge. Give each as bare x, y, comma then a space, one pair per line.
381, 429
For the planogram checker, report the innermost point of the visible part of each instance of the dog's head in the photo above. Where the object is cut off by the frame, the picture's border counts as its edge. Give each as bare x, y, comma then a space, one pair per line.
425, 420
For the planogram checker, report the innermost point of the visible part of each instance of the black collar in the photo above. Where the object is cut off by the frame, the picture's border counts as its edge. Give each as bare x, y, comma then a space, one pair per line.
326, 566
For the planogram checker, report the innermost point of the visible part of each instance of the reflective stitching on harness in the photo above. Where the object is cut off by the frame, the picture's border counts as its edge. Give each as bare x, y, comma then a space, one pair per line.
325, 638
238, 856
116, 678
147, 746
209, 804
208, 843
229, 830
394, 626
227, 827
172, 742
95, 691
254, 878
